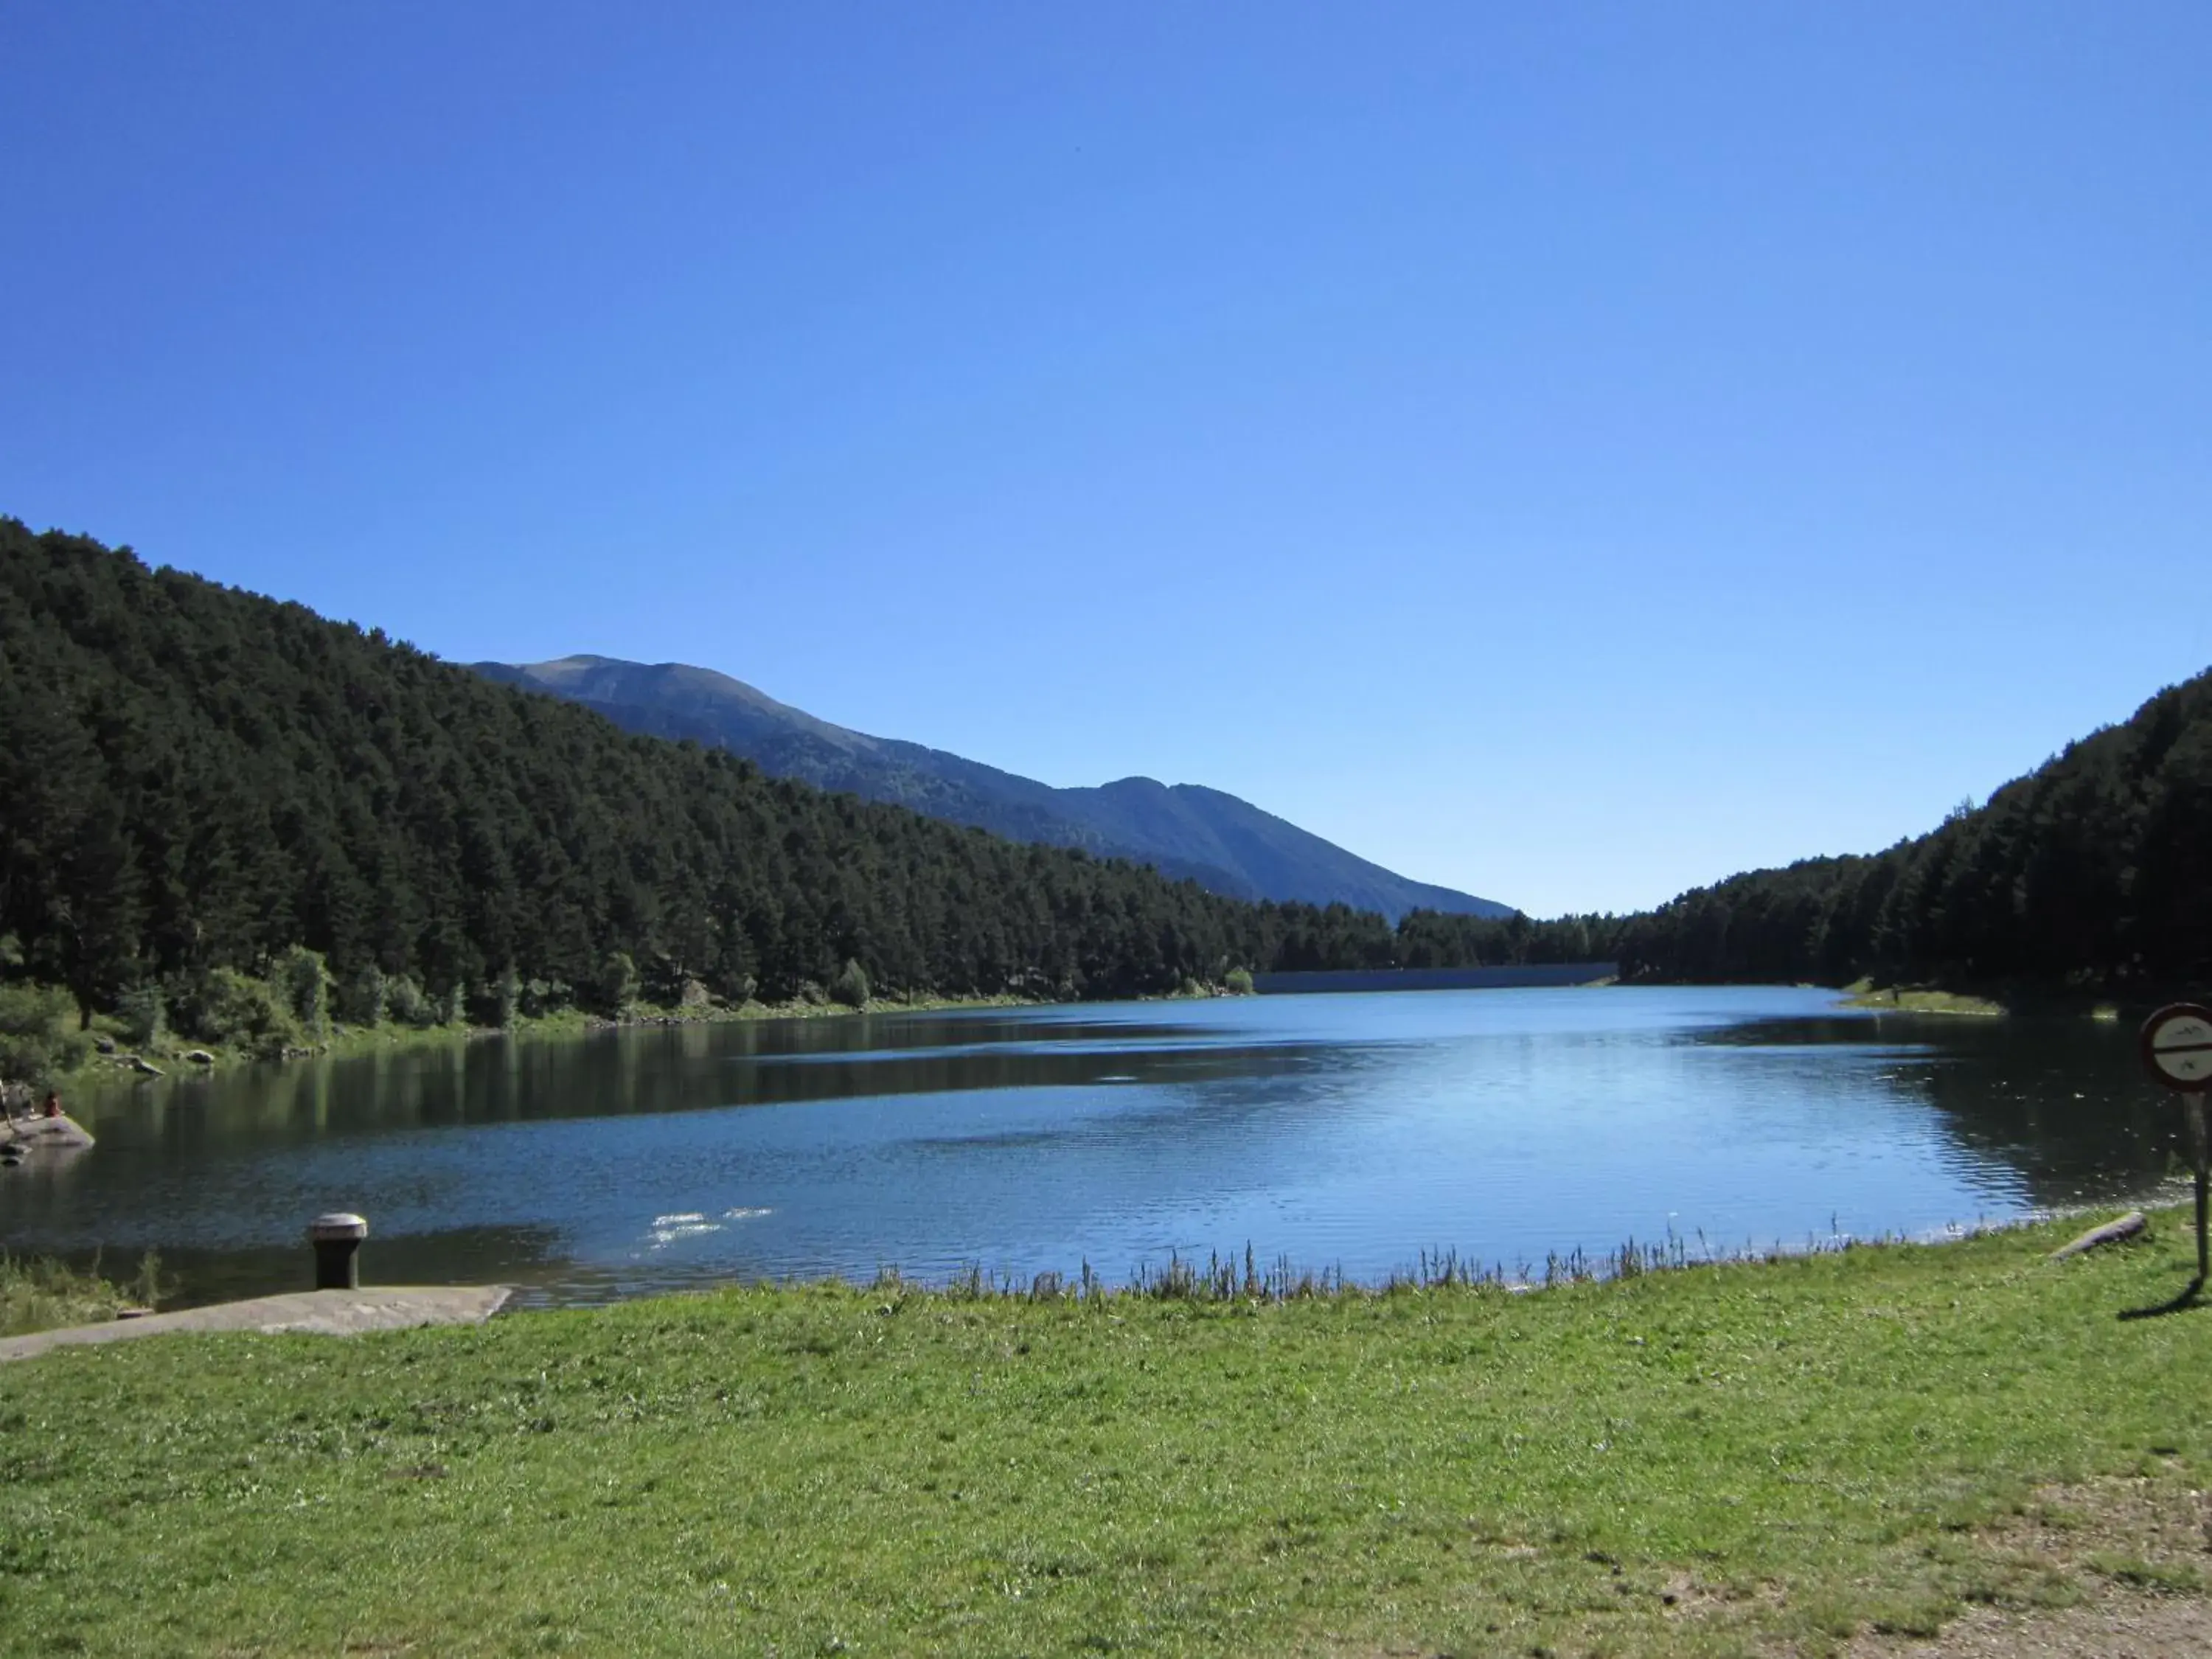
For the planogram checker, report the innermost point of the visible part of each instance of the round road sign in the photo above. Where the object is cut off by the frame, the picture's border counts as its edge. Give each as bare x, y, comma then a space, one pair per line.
2176, 1046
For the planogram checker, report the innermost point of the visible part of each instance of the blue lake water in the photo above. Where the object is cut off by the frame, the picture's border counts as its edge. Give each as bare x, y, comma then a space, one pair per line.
1345, 1132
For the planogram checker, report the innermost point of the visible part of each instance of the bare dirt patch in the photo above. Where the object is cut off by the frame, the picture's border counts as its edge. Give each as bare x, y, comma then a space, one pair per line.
2134, 1558
2117, 1626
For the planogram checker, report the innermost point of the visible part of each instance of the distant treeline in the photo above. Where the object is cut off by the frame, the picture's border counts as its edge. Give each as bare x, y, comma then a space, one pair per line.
2094, 871
197, 781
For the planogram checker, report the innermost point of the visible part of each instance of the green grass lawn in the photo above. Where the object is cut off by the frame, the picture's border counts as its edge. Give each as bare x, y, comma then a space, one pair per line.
1715, 1460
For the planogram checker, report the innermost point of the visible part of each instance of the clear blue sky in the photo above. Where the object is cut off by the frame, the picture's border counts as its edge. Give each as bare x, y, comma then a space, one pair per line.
1570, 453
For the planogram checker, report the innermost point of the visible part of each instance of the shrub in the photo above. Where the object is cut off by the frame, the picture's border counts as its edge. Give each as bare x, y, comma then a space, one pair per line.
1239, 981
145, 1016
503, 1000
851, 985
617, 985
361, 998
35, 1038
544, 996
404, 1002
305, 983
228, 1007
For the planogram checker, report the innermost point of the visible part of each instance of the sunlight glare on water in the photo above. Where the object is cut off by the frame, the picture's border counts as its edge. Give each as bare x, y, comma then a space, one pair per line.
1351, 1132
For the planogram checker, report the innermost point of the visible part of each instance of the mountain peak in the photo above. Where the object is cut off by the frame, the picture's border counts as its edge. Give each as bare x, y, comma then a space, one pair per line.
1184, 831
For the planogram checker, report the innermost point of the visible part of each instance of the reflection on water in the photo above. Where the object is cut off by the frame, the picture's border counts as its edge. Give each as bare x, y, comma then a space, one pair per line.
1341, 1131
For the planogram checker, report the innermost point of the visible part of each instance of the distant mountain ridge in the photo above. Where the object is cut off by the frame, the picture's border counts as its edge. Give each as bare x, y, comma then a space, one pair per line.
1227, 845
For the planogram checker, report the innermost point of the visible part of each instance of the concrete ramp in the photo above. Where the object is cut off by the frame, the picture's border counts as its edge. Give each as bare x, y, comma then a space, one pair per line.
321, 1312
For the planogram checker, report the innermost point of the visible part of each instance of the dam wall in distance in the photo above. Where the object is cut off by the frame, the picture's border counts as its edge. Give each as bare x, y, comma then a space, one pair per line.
1437, 979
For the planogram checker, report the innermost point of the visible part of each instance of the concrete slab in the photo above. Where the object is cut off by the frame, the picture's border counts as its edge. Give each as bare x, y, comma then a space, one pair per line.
322, 1313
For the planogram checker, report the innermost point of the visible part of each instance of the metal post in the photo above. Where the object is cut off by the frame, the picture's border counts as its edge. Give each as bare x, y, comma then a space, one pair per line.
336, 1238
2200, 1146
2177, 1049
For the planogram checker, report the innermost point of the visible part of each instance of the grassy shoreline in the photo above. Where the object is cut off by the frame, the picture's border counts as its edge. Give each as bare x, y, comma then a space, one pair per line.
1742, 1458
2130, 1004
344, 1042
1920, 999
42, 1294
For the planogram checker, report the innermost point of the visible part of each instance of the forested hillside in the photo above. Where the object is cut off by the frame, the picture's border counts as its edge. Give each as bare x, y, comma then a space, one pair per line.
2093, 871
1226, 845
194, 779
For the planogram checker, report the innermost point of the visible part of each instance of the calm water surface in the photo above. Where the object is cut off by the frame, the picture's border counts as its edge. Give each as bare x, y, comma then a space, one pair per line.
1351, 1130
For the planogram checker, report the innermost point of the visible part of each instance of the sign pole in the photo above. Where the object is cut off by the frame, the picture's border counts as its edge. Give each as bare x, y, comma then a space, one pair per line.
2197, 1146
2177, 1051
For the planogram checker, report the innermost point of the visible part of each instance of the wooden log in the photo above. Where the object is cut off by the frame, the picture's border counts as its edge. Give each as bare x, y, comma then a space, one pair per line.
2111, 1232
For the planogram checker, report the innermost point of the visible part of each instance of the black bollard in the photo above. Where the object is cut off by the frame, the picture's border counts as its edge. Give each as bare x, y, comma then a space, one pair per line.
337, 1240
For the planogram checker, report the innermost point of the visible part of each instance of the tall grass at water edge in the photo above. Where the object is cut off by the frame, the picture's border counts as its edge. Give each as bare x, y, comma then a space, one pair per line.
41, 1294
1225, 1279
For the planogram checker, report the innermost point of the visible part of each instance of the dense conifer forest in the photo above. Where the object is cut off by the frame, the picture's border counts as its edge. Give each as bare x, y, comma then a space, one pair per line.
202, 786
234, 814
2093, 871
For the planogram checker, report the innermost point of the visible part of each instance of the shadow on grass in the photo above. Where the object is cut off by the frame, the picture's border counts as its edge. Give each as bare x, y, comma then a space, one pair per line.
2191, 1297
